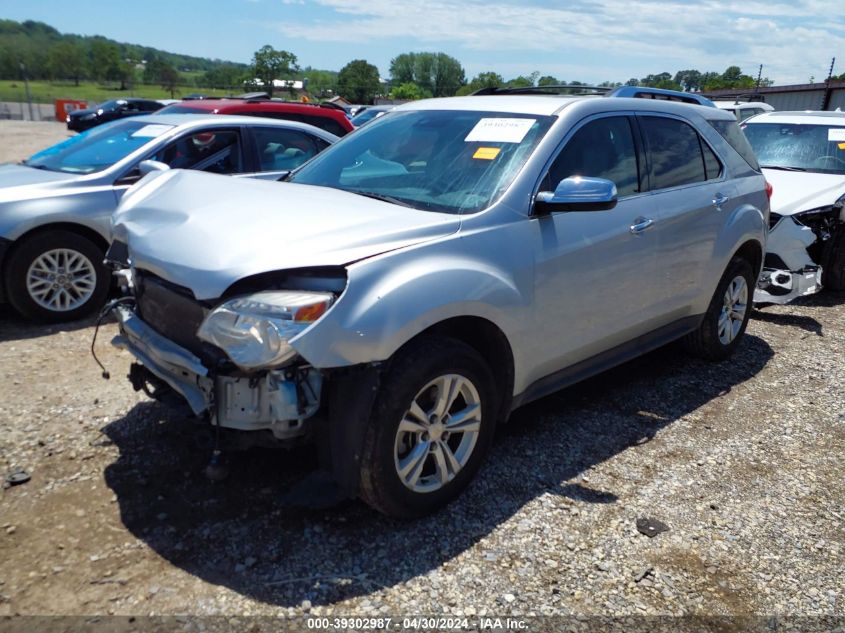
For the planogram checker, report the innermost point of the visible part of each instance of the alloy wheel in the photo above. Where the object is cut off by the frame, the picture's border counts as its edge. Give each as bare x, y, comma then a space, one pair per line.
61, 280
734, 308
438, 433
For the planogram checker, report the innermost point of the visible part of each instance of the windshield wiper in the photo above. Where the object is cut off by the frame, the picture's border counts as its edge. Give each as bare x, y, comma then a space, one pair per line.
382, 197
783, 168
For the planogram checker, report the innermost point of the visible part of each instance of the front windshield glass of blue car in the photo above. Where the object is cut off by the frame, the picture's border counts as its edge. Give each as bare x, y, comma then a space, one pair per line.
450, 161
798, 147
98, 148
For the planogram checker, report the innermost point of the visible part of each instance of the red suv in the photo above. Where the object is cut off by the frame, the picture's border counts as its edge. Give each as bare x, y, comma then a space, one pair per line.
329, 118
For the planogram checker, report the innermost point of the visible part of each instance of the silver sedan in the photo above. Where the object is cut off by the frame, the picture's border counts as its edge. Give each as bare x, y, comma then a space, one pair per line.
56, 206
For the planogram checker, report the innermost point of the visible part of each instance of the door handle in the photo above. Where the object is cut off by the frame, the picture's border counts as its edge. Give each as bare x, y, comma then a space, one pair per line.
640, 225
719, 200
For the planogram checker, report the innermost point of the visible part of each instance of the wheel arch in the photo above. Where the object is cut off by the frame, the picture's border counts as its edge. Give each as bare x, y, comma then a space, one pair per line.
752, 251
71, 227
491, 343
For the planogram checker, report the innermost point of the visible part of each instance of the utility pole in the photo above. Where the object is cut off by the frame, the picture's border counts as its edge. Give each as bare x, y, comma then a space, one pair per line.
26, 85
828, 92
759, 79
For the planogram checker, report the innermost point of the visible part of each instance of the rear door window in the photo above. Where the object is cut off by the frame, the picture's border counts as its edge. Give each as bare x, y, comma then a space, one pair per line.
675, 152
281, 149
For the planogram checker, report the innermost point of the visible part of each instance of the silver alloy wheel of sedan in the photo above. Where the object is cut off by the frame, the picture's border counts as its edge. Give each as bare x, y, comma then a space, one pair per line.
438, 433
61, 279
734, 307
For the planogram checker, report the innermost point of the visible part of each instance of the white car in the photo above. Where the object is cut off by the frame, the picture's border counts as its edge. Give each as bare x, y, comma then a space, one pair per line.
744, 109
803, 157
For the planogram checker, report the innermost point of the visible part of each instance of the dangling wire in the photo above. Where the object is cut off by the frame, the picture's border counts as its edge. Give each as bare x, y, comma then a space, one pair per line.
103, 314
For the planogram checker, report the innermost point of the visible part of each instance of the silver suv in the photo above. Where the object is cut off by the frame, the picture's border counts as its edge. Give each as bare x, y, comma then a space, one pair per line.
453, 260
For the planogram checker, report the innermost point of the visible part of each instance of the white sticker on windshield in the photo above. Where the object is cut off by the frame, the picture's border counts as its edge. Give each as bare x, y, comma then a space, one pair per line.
151, 131
500, 130
836, 134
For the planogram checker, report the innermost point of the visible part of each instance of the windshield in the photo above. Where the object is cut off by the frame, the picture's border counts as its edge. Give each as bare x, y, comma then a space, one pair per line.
432, 160
801, 147
367, 115
98, 148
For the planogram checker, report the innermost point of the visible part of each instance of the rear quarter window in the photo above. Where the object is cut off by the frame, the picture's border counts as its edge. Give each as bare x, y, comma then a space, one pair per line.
729, 130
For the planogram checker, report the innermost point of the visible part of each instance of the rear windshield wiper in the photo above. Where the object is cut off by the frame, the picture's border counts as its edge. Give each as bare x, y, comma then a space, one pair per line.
783, 168
382, 197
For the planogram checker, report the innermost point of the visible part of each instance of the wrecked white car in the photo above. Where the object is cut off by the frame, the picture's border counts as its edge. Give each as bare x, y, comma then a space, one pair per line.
803, 158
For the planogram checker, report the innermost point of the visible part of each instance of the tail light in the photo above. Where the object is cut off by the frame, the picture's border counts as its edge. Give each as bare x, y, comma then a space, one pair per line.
769, 189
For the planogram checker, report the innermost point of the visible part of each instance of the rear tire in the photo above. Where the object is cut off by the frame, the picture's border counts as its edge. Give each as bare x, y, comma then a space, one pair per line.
420, 452
57, 276
724, 323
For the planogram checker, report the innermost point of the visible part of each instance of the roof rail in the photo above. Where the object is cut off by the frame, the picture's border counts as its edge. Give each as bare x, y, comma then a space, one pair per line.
643, 92
559, 89
252, 96
330, 105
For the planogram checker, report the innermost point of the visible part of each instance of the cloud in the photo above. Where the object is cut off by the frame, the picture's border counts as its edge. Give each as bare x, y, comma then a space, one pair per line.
791, 39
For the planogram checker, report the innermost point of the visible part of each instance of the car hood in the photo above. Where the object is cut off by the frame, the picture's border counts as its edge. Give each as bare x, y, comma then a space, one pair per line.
75, 114
205, 231
797, 191
19, 181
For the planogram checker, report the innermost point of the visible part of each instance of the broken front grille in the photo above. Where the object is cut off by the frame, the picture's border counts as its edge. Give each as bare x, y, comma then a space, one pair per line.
170, 310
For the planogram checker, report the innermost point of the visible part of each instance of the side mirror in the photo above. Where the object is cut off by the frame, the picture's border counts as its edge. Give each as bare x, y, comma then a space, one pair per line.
146, 166
577, 193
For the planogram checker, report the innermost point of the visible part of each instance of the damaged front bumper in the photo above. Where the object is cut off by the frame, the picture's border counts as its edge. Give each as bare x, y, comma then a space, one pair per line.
277, 400
782, 286
788, 271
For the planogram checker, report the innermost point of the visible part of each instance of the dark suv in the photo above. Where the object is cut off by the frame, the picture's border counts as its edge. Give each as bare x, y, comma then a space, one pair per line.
329, 118
80, 120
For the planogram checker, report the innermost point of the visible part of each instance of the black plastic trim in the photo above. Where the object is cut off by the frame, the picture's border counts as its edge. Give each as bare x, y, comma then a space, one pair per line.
606, 360
5, 245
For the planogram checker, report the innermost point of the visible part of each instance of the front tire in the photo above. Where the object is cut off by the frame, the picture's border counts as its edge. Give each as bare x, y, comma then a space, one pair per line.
57, 276
724, 323
431, 426
833, 273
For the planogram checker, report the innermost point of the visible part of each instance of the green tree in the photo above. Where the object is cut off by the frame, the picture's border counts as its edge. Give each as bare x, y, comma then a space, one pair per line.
408, 92
320, 82
520, 82
689, 80
548, 80
168, 77
436, 73
661, 80
67, 60
106, 64
482, 80
269, 64
358, 81
225, 76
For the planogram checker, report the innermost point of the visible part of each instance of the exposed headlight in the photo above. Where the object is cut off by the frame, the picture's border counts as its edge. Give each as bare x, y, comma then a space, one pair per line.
254, 330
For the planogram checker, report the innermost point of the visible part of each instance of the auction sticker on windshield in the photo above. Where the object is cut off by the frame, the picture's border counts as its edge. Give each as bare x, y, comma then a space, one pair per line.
500, 130
152, 130
836, 134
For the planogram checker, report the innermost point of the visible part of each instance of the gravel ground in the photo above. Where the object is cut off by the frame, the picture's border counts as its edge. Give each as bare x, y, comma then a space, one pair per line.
741, 460
21, 139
